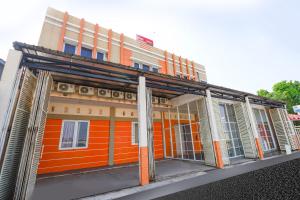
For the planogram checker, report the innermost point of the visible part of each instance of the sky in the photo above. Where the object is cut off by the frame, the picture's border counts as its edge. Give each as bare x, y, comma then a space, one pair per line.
244, 44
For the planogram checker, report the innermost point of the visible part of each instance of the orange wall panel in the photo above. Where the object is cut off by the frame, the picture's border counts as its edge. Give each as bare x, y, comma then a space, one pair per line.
55, 160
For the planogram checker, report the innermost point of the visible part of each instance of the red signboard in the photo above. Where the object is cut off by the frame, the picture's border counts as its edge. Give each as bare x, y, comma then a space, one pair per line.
144, 39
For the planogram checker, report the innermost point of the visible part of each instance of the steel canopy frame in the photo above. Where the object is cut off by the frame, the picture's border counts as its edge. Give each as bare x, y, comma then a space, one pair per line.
111, 75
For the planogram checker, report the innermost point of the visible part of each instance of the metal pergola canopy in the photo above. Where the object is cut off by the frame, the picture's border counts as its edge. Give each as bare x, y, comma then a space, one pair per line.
95, 73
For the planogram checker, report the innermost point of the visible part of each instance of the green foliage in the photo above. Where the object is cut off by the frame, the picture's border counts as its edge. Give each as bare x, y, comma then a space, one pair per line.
287, 91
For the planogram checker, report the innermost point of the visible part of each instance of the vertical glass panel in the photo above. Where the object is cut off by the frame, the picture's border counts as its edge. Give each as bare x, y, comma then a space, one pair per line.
82, 134
68, 134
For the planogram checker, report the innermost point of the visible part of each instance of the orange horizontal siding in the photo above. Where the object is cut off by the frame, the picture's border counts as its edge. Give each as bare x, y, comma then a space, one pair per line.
55, 160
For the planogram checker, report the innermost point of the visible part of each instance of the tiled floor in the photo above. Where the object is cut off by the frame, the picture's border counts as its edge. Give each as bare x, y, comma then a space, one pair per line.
96, 181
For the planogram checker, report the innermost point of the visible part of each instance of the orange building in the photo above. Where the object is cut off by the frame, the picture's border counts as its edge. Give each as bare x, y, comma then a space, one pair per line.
88, 100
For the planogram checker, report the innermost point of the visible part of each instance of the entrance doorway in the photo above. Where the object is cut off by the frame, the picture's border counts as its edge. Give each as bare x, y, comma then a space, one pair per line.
230, 127
265, 132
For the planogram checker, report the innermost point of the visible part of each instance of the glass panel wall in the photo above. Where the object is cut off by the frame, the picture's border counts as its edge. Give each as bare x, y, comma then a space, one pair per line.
230, 127
265, 133
182, 132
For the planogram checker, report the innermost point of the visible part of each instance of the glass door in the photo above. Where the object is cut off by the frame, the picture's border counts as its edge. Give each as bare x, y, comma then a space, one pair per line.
265, 133
230, 127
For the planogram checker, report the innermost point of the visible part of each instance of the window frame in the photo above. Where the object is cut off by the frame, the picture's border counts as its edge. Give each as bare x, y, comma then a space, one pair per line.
104, 55
75, 135
133, 142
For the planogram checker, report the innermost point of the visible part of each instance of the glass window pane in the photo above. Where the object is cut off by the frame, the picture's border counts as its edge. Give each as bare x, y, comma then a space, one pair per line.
136, 65
68, 134
82, 134
154, 69
146, 67
222, 112
136, 133
100, 56
85, 52
231, 113
69, 49
231, 152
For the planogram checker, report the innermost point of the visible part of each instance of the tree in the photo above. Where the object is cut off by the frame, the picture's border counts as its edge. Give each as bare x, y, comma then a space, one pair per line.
287, 91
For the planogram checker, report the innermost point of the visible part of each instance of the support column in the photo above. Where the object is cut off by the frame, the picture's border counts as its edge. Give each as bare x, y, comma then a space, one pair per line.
214, 131
143, 138
111, 136
254, 129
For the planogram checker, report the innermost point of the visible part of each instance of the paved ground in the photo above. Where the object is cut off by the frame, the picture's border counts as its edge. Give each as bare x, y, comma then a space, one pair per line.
85, 183
275, 177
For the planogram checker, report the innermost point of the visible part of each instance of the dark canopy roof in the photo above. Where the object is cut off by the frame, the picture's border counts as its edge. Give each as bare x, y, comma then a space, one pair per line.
103, 74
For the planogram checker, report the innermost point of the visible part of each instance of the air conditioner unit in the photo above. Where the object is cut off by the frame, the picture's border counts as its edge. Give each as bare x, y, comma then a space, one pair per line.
154, 99
88, 91
104, 93
65, 88
163, 100
130, 96
117, 94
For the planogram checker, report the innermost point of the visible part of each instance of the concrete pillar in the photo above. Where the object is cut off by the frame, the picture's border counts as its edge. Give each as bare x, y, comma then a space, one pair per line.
7, 83
143, 138
254, 129
111, 136
214, 130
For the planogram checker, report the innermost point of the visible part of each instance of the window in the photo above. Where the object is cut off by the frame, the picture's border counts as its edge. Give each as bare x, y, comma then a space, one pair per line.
155, 69
85, 52
69, 49
74, 134
134, 133
136, 65
198, 76
146, 67
100, 56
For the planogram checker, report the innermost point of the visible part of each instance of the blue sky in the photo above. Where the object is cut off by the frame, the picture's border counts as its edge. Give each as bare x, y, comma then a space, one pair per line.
244, 44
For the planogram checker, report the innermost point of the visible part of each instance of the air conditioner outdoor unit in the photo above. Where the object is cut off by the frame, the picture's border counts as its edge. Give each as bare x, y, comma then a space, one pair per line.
154, 99
117, 94
88, 91
163, 100
130, 96
65, 88
104, 93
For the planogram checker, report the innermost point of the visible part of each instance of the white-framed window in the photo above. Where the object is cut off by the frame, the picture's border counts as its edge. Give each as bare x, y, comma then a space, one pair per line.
101, 55
134, 133
74, 134
69, 48
146, 67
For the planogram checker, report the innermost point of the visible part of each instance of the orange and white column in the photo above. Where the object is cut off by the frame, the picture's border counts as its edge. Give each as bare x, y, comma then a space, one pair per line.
214, 130
254, 129
143, 139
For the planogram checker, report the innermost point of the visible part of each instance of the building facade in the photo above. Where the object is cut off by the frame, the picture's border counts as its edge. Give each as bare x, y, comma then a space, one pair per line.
89, 98
64, 32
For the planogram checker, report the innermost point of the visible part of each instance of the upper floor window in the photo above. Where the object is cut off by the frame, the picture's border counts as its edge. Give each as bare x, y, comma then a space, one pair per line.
198, 76
74, 134
69, 49
100, 56
85, 52
146, 68
155, 69
136, 65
